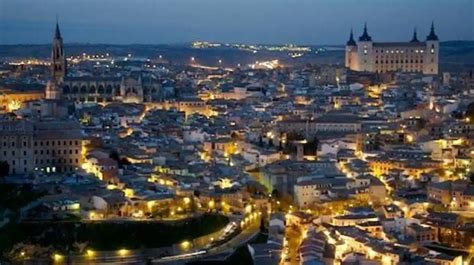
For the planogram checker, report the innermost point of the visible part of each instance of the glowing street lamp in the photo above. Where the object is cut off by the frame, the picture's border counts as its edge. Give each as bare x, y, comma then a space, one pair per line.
57, 257
90, 253
123, 252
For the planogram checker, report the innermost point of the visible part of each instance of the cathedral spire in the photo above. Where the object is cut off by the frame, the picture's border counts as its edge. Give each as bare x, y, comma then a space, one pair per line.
432, 36
415, 37
58, 58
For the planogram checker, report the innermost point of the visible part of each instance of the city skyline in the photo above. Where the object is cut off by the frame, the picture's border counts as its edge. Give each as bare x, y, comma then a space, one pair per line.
289, 132
165, 22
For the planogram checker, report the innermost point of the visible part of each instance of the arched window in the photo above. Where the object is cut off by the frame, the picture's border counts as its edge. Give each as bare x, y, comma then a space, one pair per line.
83, 89
92, 90
66, 89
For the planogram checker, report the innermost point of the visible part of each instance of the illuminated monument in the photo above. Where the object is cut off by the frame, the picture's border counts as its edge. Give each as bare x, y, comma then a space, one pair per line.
415, 56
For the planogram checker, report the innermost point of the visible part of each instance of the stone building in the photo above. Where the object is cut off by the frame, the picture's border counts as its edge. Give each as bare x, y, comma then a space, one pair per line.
365, 55
48, 145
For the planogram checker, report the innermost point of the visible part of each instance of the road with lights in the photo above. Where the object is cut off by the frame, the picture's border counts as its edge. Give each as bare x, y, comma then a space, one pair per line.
234, 235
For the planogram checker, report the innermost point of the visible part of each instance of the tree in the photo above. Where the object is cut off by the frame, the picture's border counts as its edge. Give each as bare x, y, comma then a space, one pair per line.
114, 155
120, 161
262, 225
4, 168
470, 112
471, 177
275, 193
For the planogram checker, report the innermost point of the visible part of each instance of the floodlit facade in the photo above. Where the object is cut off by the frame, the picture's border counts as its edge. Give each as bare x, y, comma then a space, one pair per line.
416, 56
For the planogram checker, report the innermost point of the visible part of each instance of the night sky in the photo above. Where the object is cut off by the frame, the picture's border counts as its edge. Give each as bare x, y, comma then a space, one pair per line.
245, 21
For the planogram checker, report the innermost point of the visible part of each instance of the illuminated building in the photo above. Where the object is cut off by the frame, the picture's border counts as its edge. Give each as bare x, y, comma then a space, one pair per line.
457, 195
48, 146
129, 89
12, 100
366, 55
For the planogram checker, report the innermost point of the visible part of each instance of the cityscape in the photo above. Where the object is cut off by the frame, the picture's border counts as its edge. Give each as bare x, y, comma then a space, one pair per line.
220, 152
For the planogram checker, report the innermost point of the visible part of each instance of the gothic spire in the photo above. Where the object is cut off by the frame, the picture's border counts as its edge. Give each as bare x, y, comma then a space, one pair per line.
57, 33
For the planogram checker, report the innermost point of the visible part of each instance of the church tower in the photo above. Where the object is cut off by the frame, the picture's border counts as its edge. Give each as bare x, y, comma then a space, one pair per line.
58, 67
58, 59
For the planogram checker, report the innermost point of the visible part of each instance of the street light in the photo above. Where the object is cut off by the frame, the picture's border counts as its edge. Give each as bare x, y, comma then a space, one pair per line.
123, 252
57, 257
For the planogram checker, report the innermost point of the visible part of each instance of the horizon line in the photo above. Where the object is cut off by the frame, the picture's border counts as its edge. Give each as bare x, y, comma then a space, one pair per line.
190, 42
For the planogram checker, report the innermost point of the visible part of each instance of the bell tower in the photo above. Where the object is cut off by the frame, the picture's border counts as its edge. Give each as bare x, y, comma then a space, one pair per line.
58, 59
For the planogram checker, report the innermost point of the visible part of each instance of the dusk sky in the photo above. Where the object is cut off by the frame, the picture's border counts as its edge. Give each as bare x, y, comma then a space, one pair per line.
245, 21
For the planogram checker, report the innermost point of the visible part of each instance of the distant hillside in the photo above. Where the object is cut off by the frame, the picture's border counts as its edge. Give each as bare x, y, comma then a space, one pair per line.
455, 55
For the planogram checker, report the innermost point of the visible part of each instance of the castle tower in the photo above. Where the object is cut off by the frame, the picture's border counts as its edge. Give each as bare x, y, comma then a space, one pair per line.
431, 56
415, 37
364, 51
351, 50
58, 59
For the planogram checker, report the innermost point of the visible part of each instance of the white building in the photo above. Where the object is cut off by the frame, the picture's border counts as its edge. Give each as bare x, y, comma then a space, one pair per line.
414, 56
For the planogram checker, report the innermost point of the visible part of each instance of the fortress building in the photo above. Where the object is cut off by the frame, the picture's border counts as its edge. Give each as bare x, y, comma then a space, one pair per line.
414, 56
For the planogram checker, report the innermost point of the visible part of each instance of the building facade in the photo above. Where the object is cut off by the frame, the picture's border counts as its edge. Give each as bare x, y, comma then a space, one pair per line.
416, 56
48, 146
132, 88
